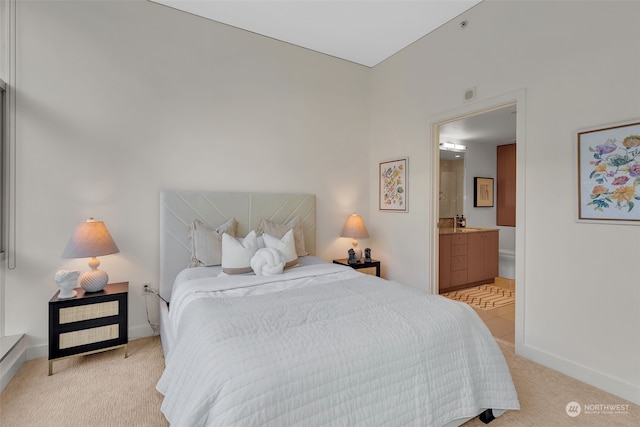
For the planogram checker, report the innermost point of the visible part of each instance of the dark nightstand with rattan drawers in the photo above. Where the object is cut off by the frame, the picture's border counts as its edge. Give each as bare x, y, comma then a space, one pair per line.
89, 323
374, 263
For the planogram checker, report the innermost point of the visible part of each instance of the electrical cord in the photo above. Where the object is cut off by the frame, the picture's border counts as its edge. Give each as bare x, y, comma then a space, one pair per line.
150, 291
154, 326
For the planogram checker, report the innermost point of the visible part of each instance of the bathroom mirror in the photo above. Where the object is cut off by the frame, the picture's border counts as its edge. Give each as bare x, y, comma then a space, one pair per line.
451, 197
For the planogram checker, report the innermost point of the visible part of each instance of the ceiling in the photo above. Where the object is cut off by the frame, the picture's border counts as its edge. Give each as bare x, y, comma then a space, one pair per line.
362, 31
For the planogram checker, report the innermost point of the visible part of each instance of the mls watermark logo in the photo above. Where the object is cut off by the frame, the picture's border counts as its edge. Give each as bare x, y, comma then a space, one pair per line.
573, 409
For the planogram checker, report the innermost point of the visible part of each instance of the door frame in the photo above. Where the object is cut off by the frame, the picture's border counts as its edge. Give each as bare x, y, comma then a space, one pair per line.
517, 98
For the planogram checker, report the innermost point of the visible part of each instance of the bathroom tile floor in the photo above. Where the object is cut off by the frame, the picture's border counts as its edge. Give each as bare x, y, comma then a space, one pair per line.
501, 321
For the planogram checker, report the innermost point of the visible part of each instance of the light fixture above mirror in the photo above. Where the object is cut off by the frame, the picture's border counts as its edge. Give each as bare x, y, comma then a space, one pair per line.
452, 146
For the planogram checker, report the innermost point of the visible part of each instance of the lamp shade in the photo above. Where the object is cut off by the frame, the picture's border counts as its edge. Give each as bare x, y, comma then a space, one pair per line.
90, 239
354, 227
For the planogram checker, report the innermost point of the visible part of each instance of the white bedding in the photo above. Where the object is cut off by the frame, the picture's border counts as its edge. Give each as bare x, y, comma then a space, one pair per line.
326, 345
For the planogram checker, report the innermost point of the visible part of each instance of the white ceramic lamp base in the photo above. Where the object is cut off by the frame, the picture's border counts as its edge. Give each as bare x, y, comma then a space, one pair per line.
94, 280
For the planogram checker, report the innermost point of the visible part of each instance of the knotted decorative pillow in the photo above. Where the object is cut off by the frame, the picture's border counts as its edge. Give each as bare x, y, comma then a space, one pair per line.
267, 262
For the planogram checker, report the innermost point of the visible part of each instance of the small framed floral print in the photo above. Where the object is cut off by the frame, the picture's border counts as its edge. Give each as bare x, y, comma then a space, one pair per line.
393, 185
609, 174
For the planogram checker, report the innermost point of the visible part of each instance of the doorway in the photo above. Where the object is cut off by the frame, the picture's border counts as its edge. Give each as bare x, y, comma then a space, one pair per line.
482, 218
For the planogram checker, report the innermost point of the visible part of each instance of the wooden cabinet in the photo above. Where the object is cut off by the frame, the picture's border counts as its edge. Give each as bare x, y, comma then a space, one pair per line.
453, 260
88, 323
506, 185
483, 259
459, 259
467, 259
444, 262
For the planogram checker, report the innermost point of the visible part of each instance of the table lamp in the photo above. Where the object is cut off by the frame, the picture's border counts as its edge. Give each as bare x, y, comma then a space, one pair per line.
91, 239
354, 227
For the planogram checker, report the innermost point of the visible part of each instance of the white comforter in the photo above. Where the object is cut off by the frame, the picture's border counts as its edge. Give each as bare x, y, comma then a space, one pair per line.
325, 345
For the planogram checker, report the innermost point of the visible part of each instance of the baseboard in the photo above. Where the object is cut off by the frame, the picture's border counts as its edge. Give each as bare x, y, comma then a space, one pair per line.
140, 332
12, 361
605, 382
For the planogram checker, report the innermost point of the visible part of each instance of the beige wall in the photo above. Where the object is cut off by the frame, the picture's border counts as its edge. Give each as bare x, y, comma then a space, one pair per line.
578, 306
118, 100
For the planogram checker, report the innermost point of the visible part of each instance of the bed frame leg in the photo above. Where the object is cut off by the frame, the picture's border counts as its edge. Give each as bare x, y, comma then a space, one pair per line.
487, 416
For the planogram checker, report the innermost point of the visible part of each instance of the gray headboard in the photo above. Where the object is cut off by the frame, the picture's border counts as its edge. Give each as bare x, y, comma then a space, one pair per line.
179, 208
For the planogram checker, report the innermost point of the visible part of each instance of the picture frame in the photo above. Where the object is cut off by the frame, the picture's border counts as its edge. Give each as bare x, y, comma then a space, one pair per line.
393, 185
482, 192
608, 173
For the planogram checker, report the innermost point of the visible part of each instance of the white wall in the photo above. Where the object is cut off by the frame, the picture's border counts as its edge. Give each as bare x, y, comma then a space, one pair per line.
480, 161
578, 307
118, 100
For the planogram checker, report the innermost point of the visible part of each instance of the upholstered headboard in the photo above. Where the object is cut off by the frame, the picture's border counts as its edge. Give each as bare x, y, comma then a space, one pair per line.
178, 209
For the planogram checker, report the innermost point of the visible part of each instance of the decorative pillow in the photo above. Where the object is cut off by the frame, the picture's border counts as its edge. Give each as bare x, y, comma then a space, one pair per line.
206, 242
286, 245
236, 255
267, 262
278, 230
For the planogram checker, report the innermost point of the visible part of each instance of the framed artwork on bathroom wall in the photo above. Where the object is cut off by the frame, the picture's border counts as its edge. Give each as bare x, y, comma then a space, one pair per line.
393, 185
482, 192
608, 166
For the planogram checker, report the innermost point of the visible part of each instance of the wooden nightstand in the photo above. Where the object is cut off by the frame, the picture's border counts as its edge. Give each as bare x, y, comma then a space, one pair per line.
374, 263
89, 323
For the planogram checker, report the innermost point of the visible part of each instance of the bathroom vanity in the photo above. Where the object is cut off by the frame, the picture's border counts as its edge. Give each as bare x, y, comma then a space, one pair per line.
468, 257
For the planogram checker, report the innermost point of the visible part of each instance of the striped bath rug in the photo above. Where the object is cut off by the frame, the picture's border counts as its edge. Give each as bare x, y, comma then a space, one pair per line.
484, 297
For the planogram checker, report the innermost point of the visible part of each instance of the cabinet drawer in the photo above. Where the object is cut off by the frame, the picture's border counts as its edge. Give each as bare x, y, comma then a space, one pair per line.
459, 239
458, 277
89, 336
457, 250
458, 262
88, 311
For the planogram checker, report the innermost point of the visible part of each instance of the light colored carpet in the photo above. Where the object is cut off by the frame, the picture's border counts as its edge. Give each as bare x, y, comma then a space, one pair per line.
484, 297
107, 390
102, 389
544, 395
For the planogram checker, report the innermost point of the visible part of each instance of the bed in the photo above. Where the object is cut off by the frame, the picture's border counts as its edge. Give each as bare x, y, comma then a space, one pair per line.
314, 344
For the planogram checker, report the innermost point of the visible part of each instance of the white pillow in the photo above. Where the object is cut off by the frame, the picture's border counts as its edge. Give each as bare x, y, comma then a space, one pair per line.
286, 245
206, 242
236, 255
279, 230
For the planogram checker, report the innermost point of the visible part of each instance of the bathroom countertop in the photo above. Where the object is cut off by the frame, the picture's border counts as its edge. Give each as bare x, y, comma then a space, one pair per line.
466, 230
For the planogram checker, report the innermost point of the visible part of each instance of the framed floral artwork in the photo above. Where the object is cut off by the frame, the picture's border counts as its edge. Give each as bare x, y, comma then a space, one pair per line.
393, 185
609, 174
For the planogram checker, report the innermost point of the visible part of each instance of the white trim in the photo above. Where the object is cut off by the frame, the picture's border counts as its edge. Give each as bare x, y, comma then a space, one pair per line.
583, 373
13, 360
517, 98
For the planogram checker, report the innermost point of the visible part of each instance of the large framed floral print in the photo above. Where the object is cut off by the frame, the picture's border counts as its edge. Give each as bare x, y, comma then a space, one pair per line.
609, 173
393, 185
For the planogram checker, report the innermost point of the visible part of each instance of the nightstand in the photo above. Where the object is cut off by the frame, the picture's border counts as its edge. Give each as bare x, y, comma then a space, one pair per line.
374, 263
89, 323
